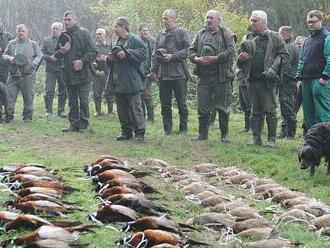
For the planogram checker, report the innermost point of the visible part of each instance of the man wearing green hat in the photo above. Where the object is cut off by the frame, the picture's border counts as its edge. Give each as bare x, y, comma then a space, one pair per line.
23, 55
213, 52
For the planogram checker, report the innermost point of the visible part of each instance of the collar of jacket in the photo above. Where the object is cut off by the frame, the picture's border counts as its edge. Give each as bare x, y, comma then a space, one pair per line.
73, 29
316, 32
166, 31
206, 29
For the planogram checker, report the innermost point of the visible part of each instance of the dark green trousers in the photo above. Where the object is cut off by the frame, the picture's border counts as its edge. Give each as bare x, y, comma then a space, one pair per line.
214, 95
147, 102
130, 113
262, 97
53, 78
98, 87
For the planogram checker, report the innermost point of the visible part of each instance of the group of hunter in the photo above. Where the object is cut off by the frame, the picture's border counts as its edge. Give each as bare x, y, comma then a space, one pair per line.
123, 72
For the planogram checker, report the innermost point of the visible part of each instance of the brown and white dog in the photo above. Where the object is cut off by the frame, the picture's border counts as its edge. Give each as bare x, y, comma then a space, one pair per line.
315, 146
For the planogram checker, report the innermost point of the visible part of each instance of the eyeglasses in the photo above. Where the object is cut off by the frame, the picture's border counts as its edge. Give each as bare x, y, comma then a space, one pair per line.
67, 19
313, 21
98, 33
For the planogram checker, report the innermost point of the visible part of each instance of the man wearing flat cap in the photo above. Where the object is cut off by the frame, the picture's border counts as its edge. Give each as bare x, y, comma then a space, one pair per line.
23, 55
169, 65
213, 52
314, 71
78, 52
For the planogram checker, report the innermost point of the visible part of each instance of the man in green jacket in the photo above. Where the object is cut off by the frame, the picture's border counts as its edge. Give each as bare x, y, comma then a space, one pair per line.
314, 71
78, 52
126, 80
169, 64
213, 52
261, 56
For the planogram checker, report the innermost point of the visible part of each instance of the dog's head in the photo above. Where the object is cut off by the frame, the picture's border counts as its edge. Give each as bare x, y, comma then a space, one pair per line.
308, 156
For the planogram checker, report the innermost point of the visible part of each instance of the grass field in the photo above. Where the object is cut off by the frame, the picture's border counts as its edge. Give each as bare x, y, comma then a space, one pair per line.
43, 142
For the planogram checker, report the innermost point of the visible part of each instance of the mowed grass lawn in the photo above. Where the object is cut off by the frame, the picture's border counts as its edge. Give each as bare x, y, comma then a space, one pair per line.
42, 141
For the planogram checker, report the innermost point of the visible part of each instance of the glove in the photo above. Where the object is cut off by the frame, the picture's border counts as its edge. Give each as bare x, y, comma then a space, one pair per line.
270, 73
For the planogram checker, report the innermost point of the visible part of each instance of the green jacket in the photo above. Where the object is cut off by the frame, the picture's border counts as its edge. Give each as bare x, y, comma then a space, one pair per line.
275, 52
127, 75
175, 41
82, 48
224, 45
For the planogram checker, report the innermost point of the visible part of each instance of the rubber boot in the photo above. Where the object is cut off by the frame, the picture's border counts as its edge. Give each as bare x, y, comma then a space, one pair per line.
183, 124
284, 131
292, 127
150, 111
167, 124
246, 123
203, 128
223, 123
97, 108
48, 104
271, 126
256, 123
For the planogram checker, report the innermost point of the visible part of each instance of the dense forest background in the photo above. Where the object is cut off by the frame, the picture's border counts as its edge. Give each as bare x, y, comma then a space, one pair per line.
39, 14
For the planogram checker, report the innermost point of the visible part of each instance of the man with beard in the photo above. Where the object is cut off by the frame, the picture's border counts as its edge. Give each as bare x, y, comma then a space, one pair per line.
126, 80
53, 72
314, 71
261, 56
213, 52
78, 52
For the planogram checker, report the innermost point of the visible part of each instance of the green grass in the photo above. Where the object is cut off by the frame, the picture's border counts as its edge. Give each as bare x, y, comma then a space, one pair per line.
43, 142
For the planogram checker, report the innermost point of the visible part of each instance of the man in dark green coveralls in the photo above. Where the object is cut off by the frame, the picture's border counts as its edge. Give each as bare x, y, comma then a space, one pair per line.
169, 64
126, 80
213, 52
78, 55
260, 57
287, 86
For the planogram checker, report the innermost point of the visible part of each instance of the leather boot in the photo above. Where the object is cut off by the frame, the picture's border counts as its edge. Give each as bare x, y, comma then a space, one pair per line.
292, 127
256, 123
203, 128
223, 123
